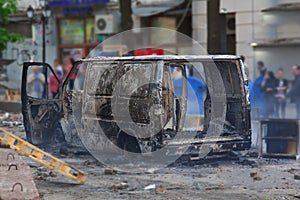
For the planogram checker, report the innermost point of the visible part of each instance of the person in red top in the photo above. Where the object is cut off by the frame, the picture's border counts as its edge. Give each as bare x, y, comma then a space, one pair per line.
53, 83
73, 77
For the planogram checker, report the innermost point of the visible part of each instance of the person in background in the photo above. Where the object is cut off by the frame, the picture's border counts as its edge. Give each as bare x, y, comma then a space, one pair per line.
36, 82
294, 93
65, 63
53, 82
268, 87
73, 77
257, 96
281, 88
196, 89
59, 68
176, 73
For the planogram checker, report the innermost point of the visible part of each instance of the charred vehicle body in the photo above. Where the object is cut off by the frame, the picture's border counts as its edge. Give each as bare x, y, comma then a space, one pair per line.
133, 101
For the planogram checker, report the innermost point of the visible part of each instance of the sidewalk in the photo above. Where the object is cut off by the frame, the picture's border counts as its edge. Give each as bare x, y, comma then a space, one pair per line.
291, 111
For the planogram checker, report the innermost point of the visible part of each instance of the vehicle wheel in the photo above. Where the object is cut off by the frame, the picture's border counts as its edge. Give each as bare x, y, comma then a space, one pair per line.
58, 136
128, 142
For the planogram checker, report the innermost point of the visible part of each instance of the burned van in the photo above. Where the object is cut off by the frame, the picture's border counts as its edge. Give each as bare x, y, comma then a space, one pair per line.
141, 104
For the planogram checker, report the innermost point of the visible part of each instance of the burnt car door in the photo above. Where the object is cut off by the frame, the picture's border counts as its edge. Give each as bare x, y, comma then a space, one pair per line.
180, 94
41, 108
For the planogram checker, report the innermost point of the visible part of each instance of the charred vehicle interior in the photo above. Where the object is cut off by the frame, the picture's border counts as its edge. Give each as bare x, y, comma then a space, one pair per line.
141, 103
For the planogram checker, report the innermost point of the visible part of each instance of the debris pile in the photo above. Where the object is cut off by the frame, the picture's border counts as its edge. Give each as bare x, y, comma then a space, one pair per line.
109, 171
255, 176
121, 186
42, 173
11, 120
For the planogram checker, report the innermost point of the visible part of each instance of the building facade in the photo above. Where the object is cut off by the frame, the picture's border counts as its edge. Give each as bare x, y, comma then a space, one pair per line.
267, 30
70, 31
75, 28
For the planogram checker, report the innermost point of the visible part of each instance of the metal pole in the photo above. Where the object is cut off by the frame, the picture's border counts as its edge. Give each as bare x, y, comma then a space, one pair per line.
213, 27
45, 93
126, 19
44, 38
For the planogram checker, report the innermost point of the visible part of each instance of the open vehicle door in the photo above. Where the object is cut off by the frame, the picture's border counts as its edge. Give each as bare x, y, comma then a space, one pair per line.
41, 110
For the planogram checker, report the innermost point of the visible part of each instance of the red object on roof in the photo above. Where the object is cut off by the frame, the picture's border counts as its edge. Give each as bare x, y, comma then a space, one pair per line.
148, 51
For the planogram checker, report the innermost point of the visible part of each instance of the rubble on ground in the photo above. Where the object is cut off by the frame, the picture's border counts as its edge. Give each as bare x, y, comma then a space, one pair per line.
11, 120
245, 177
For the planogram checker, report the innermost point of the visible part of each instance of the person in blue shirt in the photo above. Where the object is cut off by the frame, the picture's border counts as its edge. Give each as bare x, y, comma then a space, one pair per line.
36, 81
256, 93
195, 91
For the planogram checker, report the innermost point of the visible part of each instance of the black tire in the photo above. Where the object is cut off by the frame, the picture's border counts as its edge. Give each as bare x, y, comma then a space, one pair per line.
59, 137
128, 143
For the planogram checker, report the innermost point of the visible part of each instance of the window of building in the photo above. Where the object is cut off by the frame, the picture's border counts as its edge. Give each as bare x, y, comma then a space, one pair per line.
71, 31
90, 34
76, 36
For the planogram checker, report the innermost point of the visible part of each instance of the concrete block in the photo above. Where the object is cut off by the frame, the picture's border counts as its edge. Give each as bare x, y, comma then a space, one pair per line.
16, 180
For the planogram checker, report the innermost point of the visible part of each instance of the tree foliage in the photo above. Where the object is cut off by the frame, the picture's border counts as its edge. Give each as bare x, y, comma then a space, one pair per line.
7, 7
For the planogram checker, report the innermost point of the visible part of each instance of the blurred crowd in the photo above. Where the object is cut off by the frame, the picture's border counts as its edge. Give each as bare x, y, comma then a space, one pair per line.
36, 79
270, 92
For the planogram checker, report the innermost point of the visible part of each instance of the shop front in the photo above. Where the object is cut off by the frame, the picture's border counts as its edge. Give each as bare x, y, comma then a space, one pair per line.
76, 37
75, 22
84, 24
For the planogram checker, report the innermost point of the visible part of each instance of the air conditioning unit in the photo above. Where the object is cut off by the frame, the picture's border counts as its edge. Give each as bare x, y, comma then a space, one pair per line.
230, 24
104, 24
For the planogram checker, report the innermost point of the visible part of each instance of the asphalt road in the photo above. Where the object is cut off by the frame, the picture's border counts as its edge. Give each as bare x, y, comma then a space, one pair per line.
244, 178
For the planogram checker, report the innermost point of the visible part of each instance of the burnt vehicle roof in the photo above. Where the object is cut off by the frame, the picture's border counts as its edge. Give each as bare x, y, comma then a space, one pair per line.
165, 58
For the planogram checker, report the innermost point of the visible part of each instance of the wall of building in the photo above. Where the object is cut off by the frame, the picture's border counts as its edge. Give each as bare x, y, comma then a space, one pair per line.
250, 26
199, 22
283, 24
279, 57
17, 51
30, 50
253, 25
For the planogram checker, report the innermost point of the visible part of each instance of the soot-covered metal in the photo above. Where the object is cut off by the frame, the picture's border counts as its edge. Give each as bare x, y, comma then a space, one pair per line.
120, 93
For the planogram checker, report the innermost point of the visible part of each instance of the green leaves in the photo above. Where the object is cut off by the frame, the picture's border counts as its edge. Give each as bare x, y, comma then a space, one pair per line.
7, 7
6, 37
